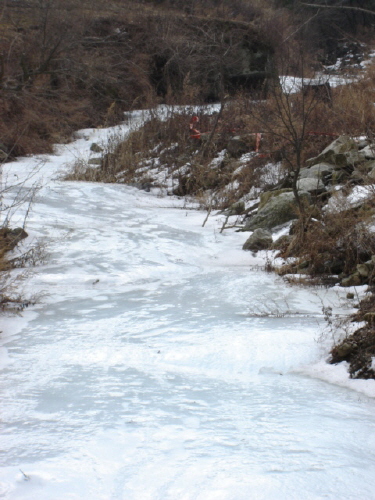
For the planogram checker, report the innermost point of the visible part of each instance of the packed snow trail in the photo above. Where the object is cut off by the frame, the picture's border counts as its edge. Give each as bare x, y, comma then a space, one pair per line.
163, 365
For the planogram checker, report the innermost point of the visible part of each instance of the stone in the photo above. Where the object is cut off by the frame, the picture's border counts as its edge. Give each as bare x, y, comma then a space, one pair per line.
95, 148
282, 243
334, 266
351, 158
265, 197
95, 161
352, 280
261, 239
368, 165
277, 211
318, 171
343, 350
362, 143
339, 176
364, 170
342, 144
365, 269
311, 185
311, 161
237, 146
303, 265
236, 209
341, 152
369, 152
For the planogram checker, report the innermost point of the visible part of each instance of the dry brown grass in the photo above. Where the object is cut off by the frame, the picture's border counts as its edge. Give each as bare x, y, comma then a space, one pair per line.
335, 242
66, 65
14, 271
164, 147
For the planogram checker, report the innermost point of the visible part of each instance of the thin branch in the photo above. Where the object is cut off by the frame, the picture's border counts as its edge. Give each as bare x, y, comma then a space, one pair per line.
347, 7
299, 27
208, 213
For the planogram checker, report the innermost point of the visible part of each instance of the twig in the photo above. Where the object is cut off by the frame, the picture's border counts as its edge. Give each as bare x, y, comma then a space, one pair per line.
208, 213
25, 476
225, 222
319, 6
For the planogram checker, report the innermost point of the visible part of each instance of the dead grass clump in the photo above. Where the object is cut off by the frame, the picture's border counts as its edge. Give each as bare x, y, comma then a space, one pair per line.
161, 153
334, 243
31, 124
9, 238
366, 306
351, 113
15, 270
358, 350
158, 142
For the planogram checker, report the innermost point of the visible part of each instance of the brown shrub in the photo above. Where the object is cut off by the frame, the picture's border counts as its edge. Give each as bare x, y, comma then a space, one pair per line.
335, 241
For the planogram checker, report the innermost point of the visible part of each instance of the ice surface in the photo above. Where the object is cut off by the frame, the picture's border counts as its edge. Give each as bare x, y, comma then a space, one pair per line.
164, 364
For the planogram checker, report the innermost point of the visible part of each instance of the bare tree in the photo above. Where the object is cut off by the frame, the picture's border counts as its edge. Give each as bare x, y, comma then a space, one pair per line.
285, 117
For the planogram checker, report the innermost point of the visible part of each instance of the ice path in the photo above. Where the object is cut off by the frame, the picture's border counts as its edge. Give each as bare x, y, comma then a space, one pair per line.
161, 381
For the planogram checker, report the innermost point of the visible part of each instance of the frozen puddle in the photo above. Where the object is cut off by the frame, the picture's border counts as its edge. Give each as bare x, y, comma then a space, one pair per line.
162, 366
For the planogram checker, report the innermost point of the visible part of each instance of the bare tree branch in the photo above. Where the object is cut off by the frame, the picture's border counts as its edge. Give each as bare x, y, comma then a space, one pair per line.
347, 7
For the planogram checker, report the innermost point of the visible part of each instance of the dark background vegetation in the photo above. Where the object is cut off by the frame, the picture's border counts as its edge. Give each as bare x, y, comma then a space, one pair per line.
69, 64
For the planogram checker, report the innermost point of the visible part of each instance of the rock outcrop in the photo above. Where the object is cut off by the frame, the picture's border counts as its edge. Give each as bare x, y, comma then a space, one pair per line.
281, 207
343, 161
261, 239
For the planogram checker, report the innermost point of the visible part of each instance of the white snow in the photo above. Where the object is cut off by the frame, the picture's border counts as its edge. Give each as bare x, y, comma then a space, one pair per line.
164, 363
293, 84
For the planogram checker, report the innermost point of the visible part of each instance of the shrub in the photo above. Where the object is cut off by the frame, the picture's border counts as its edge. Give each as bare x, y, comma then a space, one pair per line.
334, 241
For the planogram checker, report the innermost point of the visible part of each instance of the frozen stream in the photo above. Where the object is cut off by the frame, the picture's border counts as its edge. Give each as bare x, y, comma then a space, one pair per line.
163, 366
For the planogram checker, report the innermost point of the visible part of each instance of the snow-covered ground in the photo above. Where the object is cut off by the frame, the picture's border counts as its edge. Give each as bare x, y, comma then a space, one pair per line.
164, 364
293, 84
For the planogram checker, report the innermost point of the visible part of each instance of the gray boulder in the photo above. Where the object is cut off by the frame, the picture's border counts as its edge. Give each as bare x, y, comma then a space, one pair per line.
368, 166
282, 243
366, 269
340, 176
278, 210
267, 195
351, 159
237, 146
337, 152
362, 143
311, 185
237, 208
364, 170
369, 152
354, 279
372, 173
261, 239
318, 171
95, 161
342, 144
343, 350
96, 148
